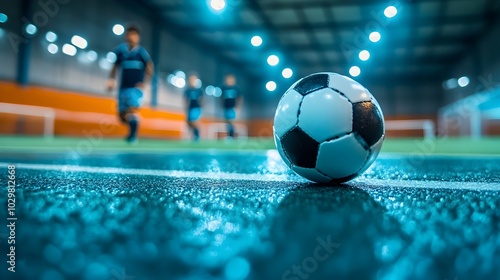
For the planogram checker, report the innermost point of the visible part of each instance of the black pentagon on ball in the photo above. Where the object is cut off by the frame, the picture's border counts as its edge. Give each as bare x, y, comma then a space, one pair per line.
300, 148
367, 122
312, 83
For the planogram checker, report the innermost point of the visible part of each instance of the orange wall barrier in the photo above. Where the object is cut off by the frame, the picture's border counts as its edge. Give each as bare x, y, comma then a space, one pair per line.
78, 114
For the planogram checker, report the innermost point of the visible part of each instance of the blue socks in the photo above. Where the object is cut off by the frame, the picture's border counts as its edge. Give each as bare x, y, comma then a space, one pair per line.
133, 124
230, 130
196, 134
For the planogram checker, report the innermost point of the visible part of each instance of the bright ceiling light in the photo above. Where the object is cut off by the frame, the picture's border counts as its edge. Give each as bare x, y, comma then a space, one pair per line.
31, 29
287, 73
118, 29
271, 86
218, 92
79, 42
256, 41
111, 57
53, 48
273, 60
463, 81
104, 64
180, 74
218, 5
450, 83
179, 82
91, 56
354, 71
69, 49
210, 90
3, 18
390, 11
364, 55
374, 36
51, 36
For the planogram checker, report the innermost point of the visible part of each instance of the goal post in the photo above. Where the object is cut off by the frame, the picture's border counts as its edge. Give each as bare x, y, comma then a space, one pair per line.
48, 114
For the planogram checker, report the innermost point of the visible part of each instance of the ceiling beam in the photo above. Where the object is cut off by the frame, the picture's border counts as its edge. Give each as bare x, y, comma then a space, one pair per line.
272, 5
243, 27
394, 43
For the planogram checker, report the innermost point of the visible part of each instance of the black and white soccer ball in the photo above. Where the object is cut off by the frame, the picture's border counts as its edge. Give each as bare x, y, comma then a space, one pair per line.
328, 128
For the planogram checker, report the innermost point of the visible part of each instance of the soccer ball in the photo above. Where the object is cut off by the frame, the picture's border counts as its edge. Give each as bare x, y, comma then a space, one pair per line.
328, 128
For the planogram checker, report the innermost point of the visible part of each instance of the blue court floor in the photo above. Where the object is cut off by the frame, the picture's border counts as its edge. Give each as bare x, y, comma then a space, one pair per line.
244, 215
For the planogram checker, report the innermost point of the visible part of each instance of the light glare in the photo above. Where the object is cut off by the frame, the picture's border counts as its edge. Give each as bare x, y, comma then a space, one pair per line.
31, 29
271, 86
273, 60
92, 56
51, 36
69, 49
218, 5
374, 36
53, 48
287, 73
390, 11
118, 29
354, 71
364, 55
111, 57
463, 81
256, 41
79, 41
3, 18
104, 64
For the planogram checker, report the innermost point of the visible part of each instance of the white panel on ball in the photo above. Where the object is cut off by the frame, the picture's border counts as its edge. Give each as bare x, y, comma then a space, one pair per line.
280, 150
325, 114
353, 90
341, 157
286, 113
311, 174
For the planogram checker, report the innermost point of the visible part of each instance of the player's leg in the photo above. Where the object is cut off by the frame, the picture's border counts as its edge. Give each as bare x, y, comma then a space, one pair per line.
193, 116
229, 115
132, 119
129, 102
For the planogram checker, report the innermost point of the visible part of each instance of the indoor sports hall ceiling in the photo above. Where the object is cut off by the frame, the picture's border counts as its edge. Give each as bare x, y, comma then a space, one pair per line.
421, 41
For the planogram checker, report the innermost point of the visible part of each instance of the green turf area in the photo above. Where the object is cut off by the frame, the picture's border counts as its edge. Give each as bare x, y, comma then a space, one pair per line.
484, 146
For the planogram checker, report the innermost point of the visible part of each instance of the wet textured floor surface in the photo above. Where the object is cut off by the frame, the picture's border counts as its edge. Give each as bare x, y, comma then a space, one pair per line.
243, 215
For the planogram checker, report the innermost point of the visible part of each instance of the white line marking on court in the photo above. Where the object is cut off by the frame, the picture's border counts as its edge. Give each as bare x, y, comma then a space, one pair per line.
154, 172
363, 183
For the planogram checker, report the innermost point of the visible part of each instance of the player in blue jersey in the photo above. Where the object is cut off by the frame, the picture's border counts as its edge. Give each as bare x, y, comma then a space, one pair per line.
230, 98
136, 71
192, 100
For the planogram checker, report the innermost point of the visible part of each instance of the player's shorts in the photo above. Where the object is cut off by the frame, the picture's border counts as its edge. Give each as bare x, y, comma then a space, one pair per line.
193, 114
129, 98
229, 113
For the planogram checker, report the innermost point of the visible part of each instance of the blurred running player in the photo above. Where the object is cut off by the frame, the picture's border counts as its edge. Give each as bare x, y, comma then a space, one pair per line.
230, 97
192, 98
136, 71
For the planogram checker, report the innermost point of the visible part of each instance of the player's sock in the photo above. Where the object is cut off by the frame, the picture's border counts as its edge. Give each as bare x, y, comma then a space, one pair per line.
133, 124
230, 130
196, 134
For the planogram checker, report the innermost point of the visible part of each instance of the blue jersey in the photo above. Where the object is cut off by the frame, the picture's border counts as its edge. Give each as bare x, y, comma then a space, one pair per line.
229, 96
193, 96
133, 64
